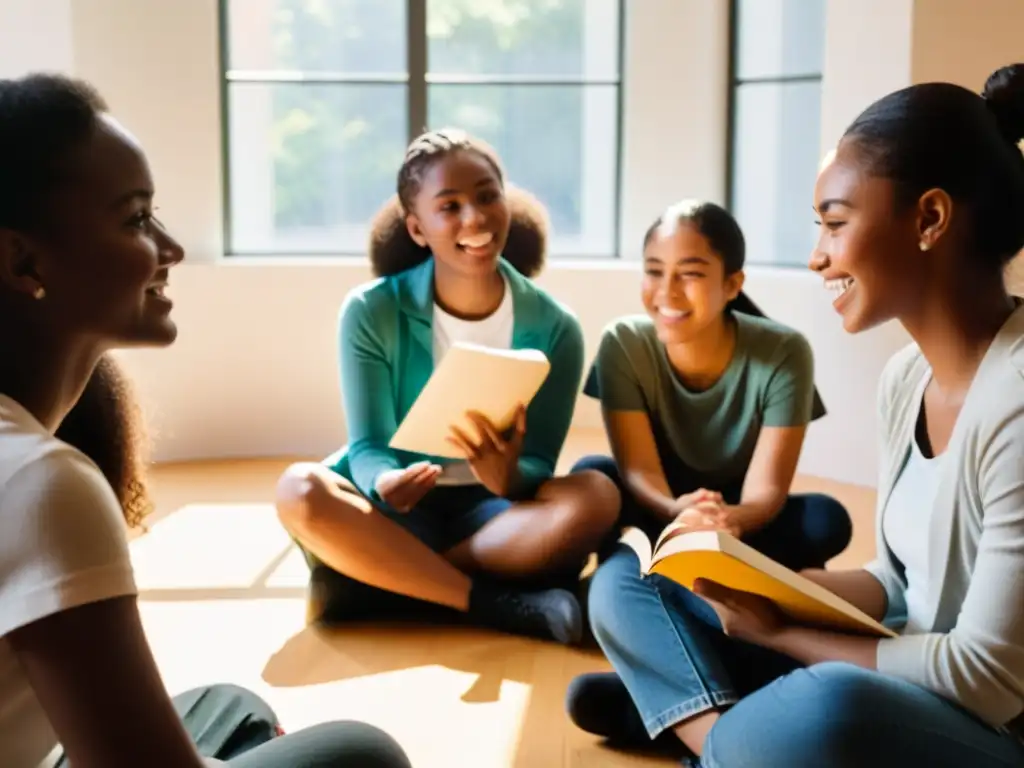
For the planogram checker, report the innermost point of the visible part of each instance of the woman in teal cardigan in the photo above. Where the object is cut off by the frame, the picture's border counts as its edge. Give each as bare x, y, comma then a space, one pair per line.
495, 537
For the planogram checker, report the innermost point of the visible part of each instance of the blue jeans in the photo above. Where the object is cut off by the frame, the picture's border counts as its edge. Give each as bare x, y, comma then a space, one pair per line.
669, 652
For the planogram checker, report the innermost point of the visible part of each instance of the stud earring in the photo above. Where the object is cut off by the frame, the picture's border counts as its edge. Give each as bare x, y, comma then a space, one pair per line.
39, 293
923, 245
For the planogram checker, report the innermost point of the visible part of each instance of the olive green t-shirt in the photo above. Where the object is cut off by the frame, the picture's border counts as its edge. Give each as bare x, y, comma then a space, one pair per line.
707, 438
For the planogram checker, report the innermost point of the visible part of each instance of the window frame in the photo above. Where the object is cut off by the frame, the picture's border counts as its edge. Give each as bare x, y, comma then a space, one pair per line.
417, 82
735, 82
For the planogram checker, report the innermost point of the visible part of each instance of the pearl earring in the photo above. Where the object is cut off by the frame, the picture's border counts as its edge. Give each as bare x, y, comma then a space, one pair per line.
923, 245
39, 293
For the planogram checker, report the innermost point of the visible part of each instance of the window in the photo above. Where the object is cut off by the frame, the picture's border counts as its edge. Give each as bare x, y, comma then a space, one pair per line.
321, 98
777, 59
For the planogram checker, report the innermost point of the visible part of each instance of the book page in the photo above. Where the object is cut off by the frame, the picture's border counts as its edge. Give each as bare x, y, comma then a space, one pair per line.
637, 540
470, 378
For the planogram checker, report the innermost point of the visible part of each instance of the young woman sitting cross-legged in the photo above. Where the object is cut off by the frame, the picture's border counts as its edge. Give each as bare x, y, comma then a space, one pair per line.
495, 538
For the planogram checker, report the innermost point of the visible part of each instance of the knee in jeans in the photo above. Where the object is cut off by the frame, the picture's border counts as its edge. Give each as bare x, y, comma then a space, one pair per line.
838, 688
611, 596
828, 706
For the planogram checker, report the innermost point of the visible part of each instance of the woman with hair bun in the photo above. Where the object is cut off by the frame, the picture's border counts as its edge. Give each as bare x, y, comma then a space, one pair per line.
495, 538
921, 207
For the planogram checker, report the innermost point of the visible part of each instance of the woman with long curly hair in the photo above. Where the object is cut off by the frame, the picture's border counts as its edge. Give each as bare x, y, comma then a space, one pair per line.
83, 269
495, 537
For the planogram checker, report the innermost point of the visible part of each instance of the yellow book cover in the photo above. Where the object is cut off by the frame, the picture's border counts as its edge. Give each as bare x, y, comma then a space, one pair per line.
685, 556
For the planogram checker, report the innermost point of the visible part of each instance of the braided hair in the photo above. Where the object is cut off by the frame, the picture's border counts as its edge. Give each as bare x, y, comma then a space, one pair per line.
392, 249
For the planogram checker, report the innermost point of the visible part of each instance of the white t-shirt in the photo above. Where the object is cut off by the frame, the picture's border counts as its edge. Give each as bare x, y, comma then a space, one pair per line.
905, 526
63, 543
495, 331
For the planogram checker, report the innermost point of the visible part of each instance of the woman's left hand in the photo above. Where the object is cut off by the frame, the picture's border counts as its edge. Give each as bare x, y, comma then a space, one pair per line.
745, 616
495, 459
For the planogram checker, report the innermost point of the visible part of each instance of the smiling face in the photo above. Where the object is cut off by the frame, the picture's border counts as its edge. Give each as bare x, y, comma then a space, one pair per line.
869, 248
460, 213
685, 288
100, 258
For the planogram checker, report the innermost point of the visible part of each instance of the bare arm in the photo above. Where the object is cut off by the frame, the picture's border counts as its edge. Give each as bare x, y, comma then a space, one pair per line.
95, 676
769, 477
814, 646
636, 453
857, 587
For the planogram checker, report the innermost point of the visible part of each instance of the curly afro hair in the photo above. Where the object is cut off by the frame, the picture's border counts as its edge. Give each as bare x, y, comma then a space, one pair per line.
106, 424
43, 118
391, 248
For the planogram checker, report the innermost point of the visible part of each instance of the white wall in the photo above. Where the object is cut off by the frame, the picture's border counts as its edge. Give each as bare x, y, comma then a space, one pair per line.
157, 63
279, 394
35, 35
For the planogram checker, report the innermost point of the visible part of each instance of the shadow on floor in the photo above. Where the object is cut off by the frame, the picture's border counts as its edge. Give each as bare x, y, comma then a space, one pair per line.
361, 650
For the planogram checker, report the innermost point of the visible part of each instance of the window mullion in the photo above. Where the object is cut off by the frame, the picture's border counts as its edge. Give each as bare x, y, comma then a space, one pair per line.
416, 27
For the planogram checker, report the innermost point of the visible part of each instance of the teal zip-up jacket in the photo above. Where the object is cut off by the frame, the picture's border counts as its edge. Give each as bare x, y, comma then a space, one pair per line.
386, 341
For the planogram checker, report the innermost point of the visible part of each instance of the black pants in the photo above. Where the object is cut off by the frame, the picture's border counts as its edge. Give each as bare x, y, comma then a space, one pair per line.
810, 530
235, 725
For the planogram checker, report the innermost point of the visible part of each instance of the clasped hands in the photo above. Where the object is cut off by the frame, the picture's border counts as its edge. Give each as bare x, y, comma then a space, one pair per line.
744, 616
492, 457
704, 510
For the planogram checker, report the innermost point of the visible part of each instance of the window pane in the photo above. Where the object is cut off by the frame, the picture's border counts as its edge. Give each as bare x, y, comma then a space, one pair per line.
310, 164
776, 157
572, 38
352, 36
779, 38
557, 142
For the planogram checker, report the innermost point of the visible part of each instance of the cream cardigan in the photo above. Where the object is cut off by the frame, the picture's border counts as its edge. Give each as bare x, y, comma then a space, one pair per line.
973, 651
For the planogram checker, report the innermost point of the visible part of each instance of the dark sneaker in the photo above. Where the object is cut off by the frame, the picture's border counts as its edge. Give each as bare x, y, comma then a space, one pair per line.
549, 614
599, 703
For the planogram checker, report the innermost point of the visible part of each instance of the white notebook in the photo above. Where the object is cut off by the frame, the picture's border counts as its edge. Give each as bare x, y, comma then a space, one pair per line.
470, 377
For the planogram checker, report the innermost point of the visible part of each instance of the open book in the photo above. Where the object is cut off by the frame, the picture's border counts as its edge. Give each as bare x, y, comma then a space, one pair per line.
685, 556
470, 377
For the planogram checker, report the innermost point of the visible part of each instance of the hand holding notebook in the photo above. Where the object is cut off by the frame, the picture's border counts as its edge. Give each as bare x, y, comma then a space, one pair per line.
686, 556
470, 378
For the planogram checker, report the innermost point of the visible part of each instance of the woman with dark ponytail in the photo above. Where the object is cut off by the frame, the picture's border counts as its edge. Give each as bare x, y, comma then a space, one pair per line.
706, 404
495, 538
706, 401
921, 207
83, 269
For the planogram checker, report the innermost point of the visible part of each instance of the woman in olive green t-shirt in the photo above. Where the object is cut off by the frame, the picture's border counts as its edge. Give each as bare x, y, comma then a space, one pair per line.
706, 404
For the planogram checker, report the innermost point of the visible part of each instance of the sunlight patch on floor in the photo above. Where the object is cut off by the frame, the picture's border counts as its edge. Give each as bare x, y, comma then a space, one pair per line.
209, 546
406, 683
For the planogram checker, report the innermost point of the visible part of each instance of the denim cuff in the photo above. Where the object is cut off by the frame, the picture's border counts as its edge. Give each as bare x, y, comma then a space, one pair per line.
690, 708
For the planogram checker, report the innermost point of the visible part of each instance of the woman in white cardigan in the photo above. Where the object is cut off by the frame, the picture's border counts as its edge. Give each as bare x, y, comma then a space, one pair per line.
921, 206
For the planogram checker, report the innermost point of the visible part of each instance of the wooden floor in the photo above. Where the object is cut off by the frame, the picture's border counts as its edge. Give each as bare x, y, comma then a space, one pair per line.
222, 600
